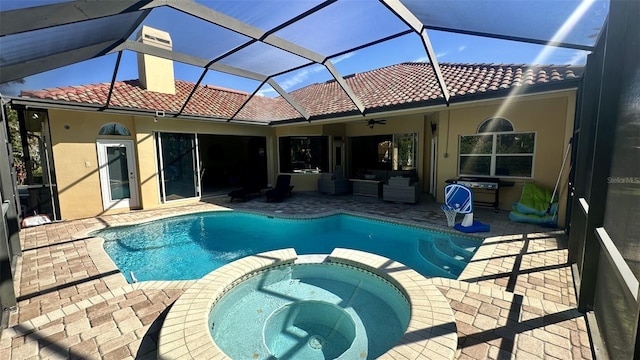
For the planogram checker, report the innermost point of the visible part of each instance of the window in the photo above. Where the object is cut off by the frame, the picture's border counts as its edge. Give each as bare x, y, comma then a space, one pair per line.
495, 125
405, 146
383, 152
114, 129
304, 154
497, 151
372, 152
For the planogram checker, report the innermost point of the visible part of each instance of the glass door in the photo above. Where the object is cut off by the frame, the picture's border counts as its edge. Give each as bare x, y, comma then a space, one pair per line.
118, 180
178, 165
405, 151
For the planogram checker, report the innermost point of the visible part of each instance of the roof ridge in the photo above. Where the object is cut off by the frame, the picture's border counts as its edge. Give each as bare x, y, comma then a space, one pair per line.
130, 82
214, 87
68, 88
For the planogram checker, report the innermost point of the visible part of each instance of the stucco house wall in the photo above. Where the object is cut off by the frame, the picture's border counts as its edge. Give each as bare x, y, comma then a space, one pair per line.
146, 150
549, 115
74, 135
73, 139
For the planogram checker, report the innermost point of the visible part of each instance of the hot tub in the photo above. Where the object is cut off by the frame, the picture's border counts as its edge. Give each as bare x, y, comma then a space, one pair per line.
347, 305
310, 311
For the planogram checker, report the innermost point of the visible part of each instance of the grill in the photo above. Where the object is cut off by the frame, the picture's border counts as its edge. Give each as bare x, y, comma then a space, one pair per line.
479, 183
491, 185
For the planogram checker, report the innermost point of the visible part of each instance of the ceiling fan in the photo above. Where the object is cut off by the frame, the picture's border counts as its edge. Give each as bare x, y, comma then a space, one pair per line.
372, 122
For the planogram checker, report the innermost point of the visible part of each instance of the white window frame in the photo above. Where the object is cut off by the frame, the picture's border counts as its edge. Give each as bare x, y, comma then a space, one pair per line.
494, 155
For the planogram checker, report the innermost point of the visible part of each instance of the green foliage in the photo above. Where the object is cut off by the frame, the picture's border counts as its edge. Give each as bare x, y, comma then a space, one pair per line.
521, 143
506, 144
406, 144
19, 163
476, 144
475, 165
14, 135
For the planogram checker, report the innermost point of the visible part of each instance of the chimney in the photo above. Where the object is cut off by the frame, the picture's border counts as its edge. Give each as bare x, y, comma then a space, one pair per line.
155, 74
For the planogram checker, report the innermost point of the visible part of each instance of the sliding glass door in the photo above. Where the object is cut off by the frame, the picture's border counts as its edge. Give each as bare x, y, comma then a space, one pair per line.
178, 166
405, 151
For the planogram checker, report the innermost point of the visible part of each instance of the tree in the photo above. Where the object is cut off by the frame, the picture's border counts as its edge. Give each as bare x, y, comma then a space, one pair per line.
18, 151
16, 145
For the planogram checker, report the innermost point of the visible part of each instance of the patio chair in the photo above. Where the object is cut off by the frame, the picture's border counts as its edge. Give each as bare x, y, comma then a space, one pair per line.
333, 184
282, 189
460, 198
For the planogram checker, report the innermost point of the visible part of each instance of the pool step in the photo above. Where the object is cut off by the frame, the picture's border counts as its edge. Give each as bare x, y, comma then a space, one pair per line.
449, 247
447, 260
470, 245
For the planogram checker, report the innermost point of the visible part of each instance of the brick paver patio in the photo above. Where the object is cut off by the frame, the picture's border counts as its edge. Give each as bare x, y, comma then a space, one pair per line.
515, 299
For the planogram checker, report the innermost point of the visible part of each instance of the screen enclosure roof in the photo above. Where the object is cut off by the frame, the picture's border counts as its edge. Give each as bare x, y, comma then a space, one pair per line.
263, 41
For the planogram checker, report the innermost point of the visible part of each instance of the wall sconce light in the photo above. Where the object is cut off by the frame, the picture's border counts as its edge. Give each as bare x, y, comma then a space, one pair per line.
155, 119
433, 128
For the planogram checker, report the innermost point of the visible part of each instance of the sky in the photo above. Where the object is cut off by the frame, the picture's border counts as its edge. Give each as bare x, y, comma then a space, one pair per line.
204, 40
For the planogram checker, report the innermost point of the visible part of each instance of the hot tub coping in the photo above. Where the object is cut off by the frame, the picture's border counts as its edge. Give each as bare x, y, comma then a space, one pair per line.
431, 332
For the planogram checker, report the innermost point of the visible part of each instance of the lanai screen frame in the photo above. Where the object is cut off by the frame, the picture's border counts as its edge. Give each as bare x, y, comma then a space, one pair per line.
413, 13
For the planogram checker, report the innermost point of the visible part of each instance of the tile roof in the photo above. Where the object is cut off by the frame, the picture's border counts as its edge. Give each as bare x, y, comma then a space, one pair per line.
395, 86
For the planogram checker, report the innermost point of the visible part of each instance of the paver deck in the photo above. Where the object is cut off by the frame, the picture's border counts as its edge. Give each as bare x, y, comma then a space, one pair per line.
515, 299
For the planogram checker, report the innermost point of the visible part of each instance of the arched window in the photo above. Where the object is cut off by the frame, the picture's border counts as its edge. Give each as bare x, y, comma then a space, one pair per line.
114, 129
496, 124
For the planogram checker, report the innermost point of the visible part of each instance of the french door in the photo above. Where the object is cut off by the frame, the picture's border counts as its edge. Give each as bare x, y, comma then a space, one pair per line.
117, 169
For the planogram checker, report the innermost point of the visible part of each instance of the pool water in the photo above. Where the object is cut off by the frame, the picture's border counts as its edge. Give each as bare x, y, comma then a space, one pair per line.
310, 311
190, 246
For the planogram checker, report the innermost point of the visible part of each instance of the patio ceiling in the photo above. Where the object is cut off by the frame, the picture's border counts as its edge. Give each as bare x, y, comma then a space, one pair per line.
263, 40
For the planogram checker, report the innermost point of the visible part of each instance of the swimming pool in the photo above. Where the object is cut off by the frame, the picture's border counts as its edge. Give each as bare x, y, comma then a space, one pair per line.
189, 246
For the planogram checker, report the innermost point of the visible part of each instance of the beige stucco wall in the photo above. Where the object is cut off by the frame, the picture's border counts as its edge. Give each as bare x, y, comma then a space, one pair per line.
145, 126
550, 116
148, 64
75, 155
74, 135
